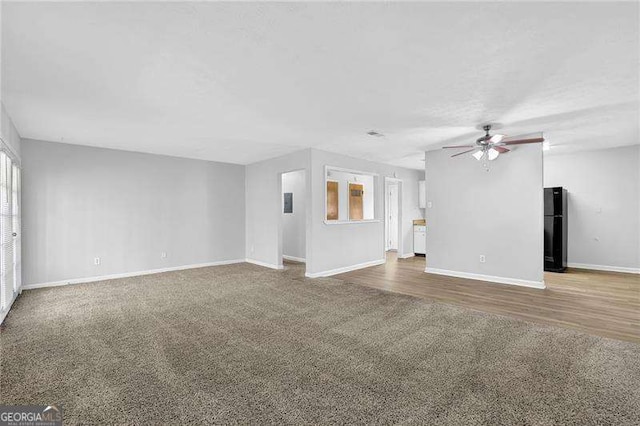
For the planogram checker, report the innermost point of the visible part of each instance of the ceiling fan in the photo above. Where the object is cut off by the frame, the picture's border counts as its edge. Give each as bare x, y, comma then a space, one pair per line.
491, 146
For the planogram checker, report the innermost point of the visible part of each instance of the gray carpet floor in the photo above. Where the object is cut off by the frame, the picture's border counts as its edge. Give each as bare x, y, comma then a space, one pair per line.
243, 344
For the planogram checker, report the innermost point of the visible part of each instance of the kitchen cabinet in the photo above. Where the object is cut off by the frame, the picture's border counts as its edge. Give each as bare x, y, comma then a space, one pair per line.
419, 239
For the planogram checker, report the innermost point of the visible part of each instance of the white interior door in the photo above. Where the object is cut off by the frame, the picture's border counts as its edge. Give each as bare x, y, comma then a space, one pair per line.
392, 217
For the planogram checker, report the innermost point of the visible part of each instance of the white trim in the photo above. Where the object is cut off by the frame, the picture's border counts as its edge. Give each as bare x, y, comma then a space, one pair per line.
127, 274
295, 259
624, 269
350, 222
400, 185
265, 264
488, 278
345, 269
406, 256
344, 170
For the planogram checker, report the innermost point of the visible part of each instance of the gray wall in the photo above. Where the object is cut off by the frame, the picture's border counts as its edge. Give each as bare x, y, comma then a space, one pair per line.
264, 207
498, 214
126, 208
294, 225
8, 132
328, 247
336, 246
603, 204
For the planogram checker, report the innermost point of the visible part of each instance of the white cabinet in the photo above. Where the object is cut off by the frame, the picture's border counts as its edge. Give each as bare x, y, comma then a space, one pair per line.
419, 239
422, 194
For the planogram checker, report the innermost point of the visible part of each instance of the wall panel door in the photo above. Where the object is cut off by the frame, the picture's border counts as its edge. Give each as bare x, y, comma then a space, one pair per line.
332, 200
356, 209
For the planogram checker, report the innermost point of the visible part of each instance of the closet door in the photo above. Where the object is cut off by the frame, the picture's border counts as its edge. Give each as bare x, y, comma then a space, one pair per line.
6, 231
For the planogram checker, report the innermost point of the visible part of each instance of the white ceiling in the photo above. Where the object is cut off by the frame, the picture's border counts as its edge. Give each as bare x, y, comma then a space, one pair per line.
242, 82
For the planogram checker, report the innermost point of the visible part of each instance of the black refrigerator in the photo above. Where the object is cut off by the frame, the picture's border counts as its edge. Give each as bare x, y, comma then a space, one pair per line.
555, 229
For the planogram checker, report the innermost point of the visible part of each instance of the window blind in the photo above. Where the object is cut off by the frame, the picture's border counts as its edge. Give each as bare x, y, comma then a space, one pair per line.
16, 228
6, 238
10, 252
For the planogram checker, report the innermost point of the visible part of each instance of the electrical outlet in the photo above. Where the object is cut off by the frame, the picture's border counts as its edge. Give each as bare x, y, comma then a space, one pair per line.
429, 204
252, 248
96, 261
482, 258
163, 255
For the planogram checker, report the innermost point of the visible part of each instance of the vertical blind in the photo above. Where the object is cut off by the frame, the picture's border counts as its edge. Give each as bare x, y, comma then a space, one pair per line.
10, 263
15, 222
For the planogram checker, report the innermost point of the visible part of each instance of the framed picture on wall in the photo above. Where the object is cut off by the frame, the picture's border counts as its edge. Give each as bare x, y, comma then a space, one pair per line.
288, 202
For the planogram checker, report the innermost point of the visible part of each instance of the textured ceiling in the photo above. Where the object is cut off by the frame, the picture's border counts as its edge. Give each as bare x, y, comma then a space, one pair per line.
241, 82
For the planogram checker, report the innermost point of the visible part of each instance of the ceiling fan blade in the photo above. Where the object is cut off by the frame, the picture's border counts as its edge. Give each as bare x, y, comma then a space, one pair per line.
458, 146
501, 149
463, 152
522, 139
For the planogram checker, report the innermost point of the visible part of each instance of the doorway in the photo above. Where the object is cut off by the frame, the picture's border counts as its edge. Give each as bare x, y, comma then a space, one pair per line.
392, 215
293, 217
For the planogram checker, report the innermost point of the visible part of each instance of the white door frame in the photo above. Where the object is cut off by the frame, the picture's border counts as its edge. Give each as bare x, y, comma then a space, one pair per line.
391, 204
307, 214
387, 181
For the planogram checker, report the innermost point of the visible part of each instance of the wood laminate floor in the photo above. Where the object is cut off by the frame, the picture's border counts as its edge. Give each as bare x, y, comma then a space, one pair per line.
601, 303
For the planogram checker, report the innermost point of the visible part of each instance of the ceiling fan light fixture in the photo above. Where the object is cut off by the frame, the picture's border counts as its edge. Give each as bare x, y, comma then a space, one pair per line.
489, 147
492, 154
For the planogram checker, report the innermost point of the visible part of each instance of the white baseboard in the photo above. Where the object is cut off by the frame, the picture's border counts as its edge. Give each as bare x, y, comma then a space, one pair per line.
604, 268
265, 264
345, 269
128, 274
294, 259
407, 256
489, 278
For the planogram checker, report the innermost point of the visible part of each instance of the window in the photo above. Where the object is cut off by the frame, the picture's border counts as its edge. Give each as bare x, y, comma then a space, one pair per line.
6, 240
349, 196
10, 265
